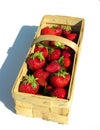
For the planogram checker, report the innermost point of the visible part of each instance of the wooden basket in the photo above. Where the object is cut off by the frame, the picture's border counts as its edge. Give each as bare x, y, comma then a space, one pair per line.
45, 107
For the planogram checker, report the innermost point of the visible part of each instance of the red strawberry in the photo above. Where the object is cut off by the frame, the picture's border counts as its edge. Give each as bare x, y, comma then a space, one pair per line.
46, 42
66, 54
41, 49
36, 61
66, 48
29, 85
58, 31
49, 88
59, 93
48, 30
72, 36
53, 67
52, 43
67, 30
60, 79
67, 62
64, 61
42, 77
54, 54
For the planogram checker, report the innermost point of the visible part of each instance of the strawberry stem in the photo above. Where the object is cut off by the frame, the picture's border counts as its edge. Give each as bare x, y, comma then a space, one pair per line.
62, 73
51, 50
38, 55
54, 27
67, 28
61, 61
60, 45
42, 44
31, 79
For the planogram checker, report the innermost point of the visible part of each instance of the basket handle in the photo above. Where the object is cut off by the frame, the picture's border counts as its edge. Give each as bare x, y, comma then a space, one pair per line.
65, 41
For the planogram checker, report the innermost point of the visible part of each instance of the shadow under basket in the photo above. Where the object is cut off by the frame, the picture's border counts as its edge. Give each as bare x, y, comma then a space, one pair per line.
45, 107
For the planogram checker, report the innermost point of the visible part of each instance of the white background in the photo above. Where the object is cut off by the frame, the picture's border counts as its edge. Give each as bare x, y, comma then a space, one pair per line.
18, 21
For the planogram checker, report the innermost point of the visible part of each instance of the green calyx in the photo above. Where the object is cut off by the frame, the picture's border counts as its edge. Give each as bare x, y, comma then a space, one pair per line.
68, 28
61, 60
54, 27
60, 45
51, 49
42, 44
62, 73
31, 79
38, 55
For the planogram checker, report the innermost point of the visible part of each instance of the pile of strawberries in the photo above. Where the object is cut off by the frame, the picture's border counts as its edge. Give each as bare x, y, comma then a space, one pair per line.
50, 65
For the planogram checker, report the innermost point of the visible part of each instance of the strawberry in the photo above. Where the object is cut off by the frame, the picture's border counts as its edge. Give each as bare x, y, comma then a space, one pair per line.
36, 61
48, 31
53, 67
66, 30
42, 77
66, 54
54, 54
66, 48
72, 37
65, 61
59, 93
57, 44
29, 85
46, 42
60, 79
58, 31
52, 43
49, 88
42, 49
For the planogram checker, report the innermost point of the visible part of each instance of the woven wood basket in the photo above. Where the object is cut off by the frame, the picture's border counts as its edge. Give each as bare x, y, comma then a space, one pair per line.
45, 107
